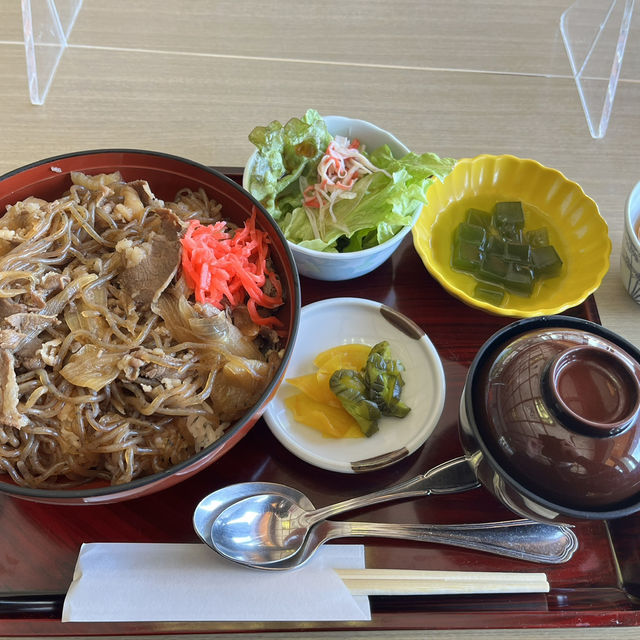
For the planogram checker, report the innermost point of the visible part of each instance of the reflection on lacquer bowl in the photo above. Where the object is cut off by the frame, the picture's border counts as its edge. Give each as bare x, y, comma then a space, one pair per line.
121, 376
550, 419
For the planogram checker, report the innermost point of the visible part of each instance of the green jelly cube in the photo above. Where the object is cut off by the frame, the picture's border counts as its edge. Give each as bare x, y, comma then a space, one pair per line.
488, 293
508, 214
517, 252
508, 219
546, 261
512, 234
495, 246
493, 269
470, 233
478, 218
466, 256
519, 279
537, 237
468, 246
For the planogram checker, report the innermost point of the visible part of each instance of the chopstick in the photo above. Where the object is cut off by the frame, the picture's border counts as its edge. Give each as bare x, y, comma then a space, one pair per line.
360, 582
388, 582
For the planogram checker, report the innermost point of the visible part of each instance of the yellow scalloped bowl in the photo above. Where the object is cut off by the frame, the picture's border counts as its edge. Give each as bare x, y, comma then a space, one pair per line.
576, 229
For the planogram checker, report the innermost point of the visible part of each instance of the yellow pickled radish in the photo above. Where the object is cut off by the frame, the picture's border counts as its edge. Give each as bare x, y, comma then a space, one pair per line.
331, 421
316, 386
344, 356
317, 406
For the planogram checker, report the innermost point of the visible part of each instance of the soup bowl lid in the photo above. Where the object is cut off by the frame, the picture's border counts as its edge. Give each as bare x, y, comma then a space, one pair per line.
558, 408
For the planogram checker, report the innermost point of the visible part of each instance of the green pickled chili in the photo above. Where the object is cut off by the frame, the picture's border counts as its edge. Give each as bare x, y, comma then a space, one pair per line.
372, 392
351, 390
383, 377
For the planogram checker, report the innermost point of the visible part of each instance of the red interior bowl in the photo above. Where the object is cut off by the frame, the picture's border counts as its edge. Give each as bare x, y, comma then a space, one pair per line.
166, 174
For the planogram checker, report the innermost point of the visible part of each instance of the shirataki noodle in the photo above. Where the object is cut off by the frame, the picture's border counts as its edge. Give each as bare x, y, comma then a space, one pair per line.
109, 369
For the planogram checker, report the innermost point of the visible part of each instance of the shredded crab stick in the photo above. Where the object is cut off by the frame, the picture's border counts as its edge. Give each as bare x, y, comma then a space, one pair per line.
340, 166
218, 264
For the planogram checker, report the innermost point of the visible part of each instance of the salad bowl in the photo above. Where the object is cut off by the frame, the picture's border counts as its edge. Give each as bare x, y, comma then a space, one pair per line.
388, 223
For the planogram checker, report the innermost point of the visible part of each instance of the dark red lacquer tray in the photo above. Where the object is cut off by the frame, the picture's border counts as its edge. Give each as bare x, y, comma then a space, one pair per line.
597, 587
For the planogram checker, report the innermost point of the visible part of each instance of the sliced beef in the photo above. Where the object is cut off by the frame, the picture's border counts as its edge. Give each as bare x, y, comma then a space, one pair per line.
145, 281
243, 321
19, 330
144, 192
30, 323
30, 357
10, 339
9, 414
9, 307
140, 364
54, 281
104, 202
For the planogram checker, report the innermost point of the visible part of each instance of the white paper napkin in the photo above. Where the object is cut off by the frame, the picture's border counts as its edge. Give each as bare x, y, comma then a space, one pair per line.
118, 582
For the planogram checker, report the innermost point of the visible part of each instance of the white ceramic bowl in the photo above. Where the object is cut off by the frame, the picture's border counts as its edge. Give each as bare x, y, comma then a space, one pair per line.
630, 253
367, 322
344, 266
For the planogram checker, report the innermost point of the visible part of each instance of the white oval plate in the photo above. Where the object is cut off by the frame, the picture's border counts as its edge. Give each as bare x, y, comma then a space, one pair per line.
340, 321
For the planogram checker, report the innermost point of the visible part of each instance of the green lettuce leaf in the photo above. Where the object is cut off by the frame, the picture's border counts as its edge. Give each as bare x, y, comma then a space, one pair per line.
283, 154
380, 207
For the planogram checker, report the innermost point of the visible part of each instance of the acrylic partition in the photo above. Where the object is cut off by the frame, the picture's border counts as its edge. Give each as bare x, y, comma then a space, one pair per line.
595, 34
46, 25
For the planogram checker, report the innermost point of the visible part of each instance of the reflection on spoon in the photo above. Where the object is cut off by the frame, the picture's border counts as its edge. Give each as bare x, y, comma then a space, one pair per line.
216, 502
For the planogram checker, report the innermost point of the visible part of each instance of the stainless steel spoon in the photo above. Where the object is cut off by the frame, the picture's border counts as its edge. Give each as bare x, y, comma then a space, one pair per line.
521, 539
271, 521
213, 504
524, 539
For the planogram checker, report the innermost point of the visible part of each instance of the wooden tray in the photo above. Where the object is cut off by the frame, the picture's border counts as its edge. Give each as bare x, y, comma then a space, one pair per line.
39, 543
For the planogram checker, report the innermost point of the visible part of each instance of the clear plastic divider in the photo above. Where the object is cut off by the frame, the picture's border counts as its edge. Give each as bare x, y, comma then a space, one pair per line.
46, 25
594, 32
595, 36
